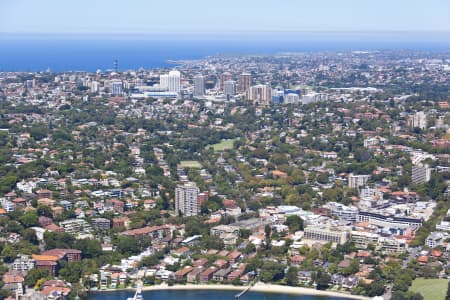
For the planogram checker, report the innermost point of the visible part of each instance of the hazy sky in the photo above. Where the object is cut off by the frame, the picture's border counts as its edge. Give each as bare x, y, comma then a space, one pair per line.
175, 16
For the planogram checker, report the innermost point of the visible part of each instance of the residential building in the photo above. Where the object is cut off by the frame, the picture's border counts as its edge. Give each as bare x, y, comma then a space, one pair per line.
174, 81
326, 233
186, 199
245, 82
199, 85
421, 173
356, 181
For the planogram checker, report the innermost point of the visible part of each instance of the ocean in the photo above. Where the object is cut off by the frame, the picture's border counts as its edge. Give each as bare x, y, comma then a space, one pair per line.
89, 53
199, 294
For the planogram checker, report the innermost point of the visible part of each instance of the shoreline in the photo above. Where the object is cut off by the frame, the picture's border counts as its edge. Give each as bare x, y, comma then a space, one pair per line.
258, 287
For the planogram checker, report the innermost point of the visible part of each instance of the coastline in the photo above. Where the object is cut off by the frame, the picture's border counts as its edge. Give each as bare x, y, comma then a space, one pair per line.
258, 287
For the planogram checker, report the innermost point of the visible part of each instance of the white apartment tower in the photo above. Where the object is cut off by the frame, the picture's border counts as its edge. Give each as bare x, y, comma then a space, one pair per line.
174, 81
164, 81
419, 120
186, 199
421, 173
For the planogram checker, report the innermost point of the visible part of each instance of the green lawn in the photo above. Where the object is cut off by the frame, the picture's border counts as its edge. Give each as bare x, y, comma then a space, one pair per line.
191, 164
431, 289
223, 145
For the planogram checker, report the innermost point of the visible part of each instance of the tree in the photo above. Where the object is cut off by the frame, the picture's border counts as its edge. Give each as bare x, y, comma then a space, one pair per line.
322, 177
291, 276
272, 271
322, 280
34, 275
89, 248
9, 254
71, 271
29, 235
294, 222
45, 211
29, 219
58, 240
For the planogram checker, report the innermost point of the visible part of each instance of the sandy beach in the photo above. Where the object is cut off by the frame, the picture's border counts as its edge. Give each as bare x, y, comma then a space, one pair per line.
258, 287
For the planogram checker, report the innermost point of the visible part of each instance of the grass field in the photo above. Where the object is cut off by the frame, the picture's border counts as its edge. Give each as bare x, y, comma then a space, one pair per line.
223, 145
191, 164
431, 289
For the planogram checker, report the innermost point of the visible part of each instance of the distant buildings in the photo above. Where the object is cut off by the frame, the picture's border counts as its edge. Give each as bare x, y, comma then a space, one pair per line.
186, 201
260, 94
229, 88
199, 85
245, 81
164, 81
116, 88
225, 77
174, 84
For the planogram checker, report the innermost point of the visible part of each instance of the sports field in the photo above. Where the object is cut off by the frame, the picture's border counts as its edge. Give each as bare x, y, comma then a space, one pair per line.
431, 289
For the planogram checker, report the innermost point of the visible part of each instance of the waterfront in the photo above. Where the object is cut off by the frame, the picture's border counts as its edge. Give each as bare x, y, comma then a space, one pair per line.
204, 294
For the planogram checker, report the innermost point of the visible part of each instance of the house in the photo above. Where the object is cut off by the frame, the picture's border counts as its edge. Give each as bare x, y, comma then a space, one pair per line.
296, 260
123, 222
181, 275
201, 262
234, 257
183, 251
336, 279
221, 275
350, 282
221, 263
207, 274
304, 277
44, 194
13, 282
194, 275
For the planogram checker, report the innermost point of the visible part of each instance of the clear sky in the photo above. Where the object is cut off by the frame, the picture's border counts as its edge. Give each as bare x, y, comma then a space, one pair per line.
218, 16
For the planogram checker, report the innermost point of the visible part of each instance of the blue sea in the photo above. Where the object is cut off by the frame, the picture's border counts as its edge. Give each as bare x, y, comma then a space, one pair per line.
198, 294
92, 52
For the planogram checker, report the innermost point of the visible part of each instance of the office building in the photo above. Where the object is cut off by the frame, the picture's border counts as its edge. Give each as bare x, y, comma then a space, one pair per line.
186, 202
229, 88
174, 81
199, 85
116, 88
260, 94
278, 97
421, 173
245, 82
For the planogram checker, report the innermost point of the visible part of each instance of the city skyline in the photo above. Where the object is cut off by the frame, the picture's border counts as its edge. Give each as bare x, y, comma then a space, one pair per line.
141, 17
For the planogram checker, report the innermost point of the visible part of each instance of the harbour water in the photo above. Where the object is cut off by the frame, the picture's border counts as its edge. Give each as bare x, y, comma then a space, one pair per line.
204, 294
